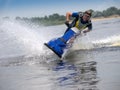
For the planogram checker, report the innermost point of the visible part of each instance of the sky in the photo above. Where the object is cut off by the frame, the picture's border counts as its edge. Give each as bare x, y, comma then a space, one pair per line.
31, 8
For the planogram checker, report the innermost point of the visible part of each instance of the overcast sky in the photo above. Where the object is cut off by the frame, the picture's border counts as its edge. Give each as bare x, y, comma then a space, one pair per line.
40, 8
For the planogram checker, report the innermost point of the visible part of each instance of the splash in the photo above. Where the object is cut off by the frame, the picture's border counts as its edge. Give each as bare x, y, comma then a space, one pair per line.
27, 37
82, 42
31, 39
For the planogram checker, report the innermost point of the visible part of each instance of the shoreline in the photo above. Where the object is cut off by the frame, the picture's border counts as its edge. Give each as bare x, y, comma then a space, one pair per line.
105, 18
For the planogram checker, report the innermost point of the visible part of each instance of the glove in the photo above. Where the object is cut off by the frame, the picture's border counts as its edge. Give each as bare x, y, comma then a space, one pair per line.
67, 23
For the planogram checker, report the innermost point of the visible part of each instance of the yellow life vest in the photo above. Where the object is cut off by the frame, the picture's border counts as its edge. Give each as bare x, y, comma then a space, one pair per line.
79, 25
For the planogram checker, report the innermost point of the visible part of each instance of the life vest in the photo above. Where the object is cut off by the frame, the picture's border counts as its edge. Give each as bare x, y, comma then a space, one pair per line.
79, 25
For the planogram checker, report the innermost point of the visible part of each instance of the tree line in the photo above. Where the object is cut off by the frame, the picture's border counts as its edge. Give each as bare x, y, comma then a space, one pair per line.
105, 13
56, 19
53, 19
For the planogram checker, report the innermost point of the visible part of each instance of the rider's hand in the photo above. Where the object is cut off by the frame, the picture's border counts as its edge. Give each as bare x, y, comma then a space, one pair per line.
67, 23
85, 31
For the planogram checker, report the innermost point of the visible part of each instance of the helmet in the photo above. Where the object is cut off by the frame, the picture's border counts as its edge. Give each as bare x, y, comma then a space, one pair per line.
89, 12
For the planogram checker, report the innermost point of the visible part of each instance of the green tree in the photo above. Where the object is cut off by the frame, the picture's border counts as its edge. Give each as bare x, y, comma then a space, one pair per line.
110, 11
97, 14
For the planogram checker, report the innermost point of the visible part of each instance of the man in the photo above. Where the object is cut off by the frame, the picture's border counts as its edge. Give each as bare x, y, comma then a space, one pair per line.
81, 22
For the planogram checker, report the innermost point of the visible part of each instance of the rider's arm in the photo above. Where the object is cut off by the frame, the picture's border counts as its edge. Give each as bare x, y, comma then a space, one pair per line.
69, 14
89, 28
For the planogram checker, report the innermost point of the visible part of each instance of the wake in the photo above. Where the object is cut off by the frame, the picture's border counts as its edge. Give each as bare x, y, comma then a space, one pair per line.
84, 43
107, 42
30, 39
